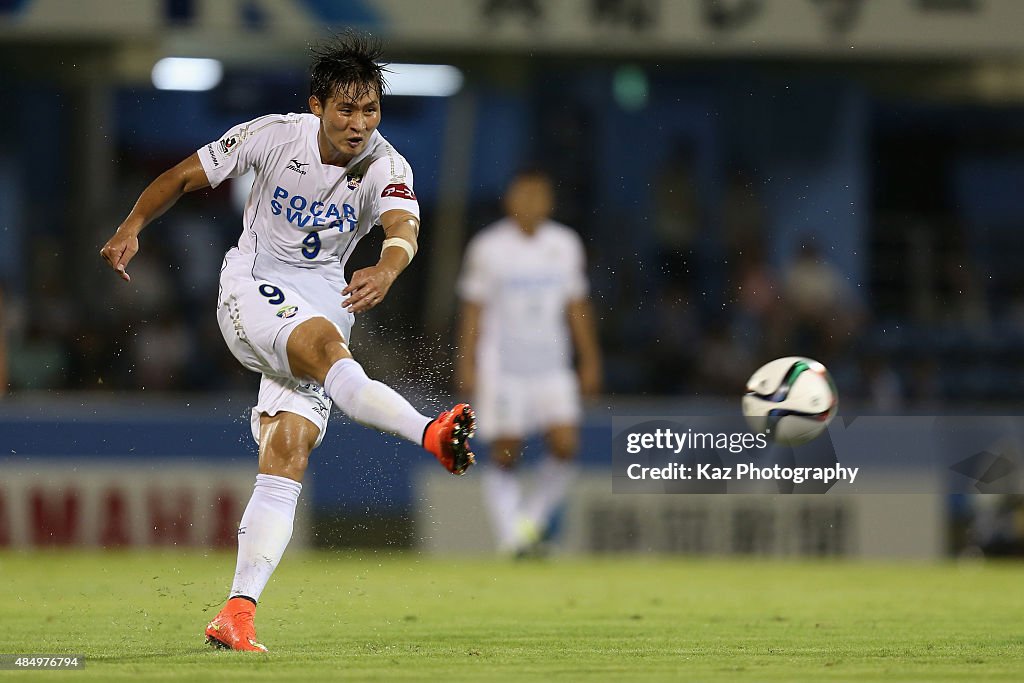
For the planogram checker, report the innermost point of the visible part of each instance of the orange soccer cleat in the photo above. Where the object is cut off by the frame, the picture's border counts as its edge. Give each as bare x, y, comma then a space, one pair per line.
448, 435
233, 628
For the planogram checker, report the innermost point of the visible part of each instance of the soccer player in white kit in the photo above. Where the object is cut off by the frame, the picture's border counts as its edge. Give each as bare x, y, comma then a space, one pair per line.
323, 181
525, 311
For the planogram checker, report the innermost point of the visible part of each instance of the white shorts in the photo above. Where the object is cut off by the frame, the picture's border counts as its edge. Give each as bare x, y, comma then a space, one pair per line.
287, 395
258, 308
517, 407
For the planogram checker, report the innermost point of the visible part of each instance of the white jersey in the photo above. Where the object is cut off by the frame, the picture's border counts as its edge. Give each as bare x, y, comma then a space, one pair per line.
524, 284
302, 213
302, 220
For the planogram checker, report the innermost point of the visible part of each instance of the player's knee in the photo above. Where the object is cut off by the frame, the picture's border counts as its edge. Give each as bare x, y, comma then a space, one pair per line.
289, 454
563, 443
505, 453
563, 452
291, 464
286, 442
314, 346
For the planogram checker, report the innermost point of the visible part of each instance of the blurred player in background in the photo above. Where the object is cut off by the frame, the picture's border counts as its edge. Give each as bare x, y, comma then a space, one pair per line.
323, 181
525, 311
3, 344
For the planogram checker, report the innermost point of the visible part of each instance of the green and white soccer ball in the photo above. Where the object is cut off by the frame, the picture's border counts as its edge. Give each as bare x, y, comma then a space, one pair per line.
791, 400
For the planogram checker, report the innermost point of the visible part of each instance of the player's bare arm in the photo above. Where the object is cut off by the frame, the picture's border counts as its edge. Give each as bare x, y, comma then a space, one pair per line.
160, 195
465, 356
588, 352
370, 285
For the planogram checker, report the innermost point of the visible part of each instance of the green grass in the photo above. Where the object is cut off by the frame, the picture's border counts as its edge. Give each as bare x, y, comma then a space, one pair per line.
404, 617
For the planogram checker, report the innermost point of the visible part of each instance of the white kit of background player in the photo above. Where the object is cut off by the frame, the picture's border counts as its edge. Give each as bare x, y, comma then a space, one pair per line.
525, 315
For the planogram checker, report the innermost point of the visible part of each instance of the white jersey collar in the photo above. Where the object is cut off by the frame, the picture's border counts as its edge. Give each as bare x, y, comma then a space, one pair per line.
512, 226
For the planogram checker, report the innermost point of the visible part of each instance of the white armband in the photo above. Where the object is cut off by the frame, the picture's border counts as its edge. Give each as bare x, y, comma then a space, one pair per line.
401, 242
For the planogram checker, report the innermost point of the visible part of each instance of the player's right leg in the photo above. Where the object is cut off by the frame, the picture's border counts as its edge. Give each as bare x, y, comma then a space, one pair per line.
317, 350
500, 400
555, 476
555, 411
286, 440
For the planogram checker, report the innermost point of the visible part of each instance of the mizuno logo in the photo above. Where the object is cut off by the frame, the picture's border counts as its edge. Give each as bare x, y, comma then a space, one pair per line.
297, 166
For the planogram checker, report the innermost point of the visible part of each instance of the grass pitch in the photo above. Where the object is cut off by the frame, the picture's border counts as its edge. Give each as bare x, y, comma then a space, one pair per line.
404, 617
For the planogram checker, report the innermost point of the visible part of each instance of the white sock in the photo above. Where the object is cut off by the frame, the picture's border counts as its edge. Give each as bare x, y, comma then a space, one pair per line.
372, 403
502, 495
264, 533
550, 487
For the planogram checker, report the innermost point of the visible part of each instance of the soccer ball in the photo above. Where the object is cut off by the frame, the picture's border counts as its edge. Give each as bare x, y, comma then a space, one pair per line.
791, 400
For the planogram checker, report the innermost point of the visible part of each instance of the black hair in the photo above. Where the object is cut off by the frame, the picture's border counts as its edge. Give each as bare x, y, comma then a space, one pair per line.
349, 60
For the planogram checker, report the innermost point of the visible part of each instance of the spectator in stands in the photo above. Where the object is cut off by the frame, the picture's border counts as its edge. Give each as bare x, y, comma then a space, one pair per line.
821, 310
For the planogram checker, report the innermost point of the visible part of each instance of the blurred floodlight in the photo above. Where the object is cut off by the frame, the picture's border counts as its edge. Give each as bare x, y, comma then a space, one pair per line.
423, 80
629, 86
187, 73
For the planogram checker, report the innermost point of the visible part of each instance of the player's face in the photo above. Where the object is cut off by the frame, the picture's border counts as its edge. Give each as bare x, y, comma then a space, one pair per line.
346, 123
530, 201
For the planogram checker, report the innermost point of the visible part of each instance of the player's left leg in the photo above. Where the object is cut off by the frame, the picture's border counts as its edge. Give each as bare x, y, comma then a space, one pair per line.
286, 440
501, 401
557, 472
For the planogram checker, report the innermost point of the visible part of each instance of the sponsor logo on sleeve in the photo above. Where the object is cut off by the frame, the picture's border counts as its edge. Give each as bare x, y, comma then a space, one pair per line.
228, 144
400, 190
213, 155
287, 311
